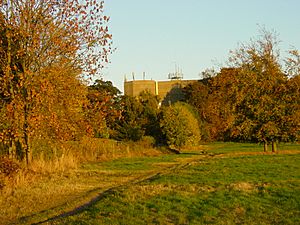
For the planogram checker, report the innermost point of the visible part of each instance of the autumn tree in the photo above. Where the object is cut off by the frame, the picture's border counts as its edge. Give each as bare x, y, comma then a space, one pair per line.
291, 96
57, 108
259, 107
255, 99
39, 37
214, 99
292, 63
222, 100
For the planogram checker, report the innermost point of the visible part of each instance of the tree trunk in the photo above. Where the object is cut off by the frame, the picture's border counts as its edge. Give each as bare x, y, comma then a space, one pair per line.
26, 134
265, 146
274, 148
26, 111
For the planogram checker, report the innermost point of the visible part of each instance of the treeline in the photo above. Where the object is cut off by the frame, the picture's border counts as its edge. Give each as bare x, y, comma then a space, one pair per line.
257, 98
49, 50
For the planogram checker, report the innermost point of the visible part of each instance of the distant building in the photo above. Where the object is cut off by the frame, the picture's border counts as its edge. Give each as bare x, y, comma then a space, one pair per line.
167, 91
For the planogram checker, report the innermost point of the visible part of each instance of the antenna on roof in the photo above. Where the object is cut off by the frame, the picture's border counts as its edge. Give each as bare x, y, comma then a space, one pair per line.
176, 75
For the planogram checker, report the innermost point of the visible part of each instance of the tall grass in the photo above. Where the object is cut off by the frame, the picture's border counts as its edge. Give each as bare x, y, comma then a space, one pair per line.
57, 157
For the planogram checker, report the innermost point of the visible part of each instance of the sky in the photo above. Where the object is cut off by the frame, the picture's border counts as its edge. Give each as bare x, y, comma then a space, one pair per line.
155, 36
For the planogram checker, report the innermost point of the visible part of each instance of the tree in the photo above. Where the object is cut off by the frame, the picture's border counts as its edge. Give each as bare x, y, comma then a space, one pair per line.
103, 108
292, 63
150, 113
214, 99
197, 94
179, 125
57, 109
130, 126
36, 37
253, 99
208, 73
139, 117
259, 107
222, 101
290, 120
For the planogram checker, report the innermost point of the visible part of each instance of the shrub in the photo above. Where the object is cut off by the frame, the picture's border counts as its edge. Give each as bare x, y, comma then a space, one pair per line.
8, 169
180, 125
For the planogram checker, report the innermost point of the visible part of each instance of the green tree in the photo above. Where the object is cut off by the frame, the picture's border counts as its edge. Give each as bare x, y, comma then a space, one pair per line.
130, 126
150, 113
197, 94
103, 108
179, 125
139, 117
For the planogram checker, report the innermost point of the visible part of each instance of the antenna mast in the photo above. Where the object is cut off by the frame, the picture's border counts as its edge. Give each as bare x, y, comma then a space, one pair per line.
177, 75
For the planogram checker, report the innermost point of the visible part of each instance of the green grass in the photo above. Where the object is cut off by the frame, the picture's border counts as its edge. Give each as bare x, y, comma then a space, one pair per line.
256, 189
229, 147
140, 163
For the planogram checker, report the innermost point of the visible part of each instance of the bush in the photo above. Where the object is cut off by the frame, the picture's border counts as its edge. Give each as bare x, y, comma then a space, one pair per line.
180, 125
8, 169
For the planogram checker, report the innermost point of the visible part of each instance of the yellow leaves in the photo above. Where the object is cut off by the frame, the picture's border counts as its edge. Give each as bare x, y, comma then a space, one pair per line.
10, 108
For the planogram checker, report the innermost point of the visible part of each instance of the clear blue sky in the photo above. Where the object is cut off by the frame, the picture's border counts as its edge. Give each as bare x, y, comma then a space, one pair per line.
152, 35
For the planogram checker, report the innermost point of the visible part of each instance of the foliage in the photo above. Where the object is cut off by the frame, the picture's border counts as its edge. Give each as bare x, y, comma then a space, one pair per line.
129, 126
103, 108
253, 99
8, 167
293, 63
44, 47
139, 117
214, 100
179, 125
58, 109
290, 119
150, 113
261, 107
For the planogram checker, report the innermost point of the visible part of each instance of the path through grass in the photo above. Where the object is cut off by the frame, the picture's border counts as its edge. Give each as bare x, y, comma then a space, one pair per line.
242, 189
227, 183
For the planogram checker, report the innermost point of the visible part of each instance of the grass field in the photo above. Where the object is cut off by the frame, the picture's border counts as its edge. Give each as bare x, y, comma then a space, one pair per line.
255, 189
222, 183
